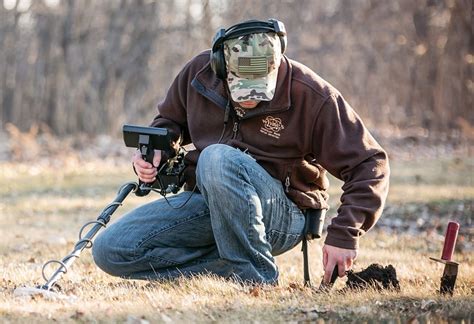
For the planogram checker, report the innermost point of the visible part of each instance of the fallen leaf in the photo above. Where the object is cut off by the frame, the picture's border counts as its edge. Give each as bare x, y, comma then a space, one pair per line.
254, 291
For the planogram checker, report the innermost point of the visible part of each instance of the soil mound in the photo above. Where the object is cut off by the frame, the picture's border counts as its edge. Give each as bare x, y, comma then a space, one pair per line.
374, 276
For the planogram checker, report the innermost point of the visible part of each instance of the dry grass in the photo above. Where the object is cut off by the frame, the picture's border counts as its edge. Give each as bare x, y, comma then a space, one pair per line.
43, 206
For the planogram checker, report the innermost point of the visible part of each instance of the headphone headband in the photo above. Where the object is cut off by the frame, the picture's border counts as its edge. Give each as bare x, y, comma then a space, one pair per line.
246, 28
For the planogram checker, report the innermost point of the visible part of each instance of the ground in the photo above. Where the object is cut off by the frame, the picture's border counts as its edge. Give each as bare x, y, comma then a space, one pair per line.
45, 201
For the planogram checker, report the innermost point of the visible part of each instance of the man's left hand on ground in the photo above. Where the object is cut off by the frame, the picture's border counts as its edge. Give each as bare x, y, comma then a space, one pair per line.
332, 256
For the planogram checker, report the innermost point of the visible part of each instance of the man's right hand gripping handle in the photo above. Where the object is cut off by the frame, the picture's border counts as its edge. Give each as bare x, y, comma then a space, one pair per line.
145, 165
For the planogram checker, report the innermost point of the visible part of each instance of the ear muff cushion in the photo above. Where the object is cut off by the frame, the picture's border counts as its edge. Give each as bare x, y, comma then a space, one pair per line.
218, 63
283, 43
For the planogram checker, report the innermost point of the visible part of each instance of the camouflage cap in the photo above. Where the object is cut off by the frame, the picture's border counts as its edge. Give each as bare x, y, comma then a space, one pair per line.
252, 63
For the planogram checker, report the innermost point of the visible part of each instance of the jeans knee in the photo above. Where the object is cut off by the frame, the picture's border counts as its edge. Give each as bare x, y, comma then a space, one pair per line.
101, 253
214, 154
212, 162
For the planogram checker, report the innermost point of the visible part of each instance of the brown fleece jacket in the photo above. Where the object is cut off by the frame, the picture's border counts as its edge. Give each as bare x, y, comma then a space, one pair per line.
306, 129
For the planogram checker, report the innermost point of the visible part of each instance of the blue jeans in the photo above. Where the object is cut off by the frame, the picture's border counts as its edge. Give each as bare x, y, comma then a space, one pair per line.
233, 228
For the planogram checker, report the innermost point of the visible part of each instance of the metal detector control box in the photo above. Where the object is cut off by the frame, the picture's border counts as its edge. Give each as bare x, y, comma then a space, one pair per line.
147, 140
153, 137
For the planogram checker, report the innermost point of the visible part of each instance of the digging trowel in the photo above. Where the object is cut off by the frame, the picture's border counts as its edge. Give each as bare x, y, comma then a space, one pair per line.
450, 273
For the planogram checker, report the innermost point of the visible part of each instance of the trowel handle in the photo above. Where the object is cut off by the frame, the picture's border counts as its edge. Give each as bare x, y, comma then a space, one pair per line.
450, 241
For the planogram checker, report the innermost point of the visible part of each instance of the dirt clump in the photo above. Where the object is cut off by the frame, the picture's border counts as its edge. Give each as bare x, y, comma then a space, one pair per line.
374, 276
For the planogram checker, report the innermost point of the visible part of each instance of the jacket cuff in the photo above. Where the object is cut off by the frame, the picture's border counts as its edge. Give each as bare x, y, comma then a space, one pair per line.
351, 244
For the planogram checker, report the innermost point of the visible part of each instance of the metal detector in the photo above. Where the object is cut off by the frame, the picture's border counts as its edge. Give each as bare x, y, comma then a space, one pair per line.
145, 139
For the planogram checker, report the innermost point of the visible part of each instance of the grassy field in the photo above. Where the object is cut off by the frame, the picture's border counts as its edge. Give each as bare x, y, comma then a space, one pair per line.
44, 204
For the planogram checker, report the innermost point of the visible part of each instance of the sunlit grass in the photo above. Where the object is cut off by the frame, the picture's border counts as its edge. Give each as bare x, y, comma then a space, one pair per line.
42, 208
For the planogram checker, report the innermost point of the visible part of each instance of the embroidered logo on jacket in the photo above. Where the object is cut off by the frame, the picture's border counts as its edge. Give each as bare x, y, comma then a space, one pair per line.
272, 126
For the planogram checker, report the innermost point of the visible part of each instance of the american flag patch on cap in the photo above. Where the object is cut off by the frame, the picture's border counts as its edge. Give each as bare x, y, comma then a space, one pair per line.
253, 65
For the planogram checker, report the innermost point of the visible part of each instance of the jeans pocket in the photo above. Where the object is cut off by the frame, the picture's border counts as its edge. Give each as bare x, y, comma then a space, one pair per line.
282, 242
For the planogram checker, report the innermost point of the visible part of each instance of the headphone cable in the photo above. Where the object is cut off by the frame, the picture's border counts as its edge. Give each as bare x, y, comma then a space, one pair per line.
226, 120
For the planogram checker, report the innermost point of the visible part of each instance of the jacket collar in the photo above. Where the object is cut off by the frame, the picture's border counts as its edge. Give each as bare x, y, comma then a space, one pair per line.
207, 84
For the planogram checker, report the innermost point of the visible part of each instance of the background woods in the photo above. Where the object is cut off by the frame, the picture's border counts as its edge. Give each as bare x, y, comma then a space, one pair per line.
90, 66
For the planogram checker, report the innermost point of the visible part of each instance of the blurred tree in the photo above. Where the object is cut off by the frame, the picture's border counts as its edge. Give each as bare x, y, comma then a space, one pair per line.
90, 66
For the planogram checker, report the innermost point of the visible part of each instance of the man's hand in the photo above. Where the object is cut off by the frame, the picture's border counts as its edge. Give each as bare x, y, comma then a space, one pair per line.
332, 256
146, 171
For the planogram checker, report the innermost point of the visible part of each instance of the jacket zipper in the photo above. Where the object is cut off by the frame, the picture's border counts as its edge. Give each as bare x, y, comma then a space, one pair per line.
235, 129
287, 182
288, 177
